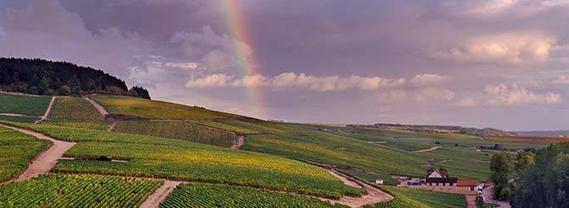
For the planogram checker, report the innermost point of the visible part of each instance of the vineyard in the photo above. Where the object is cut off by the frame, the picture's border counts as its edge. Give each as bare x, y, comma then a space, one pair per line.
421, 199
453, 153
76, 112
179, 130
207, 195
16, 151
22, 119
25, 105
77, 191
177, 159
150, 109
73, 109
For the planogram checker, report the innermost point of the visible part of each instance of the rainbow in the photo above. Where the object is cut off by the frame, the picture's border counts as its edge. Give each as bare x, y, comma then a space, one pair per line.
236, 21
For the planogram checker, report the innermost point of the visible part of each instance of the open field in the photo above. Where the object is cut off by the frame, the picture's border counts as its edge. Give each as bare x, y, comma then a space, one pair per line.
76, 112
150, 109
210, 195
77, 191
177, 159
179, 130
409, 198
17, 150
25, 105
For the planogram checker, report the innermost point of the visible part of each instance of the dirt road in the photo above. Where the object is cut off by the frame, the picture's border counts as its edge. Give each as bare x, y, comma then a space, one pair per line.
487, 197
49, 107
160, 194
46, 160
470, 200
99, 107
239, 142
429, 149
374, 195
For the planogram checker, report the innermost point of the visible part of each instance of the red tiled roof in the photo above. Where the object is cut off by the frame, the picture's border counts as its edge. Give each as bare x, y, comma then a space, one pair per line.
466, 183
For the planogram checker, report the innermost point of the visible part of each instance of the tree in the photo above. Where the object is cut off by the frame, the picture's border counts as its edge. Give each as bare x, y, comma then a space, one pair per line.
501, 167
43, 77
546, 182
523, 161
139, 92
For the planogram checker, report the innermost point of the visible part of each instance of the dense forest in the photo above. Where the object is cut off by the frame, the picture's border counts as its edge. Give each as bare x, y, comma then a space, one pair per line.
530, 179
42, 77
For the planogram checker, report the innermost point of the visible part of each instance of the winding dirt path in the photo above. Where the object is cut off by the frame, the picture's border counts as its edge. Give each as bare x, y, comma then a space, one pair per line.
240, 141
47, 111
99, 107
373, 196
429, 149
46, 160
160, 194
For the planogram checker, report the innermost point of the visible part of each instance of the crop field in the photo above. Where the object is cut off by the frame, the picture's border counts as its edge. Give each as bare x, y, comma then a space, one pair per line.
25, 105
421, 199
76, 112
177, 159
179, 130
74, 109
151, 109
344, 152
16, 151
208, 195
77, 191
219, 124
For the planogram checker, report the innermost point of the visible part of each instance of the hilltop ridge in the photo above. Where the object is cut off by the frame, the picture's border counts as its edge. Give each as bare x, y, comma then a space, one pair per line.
485, 132
43, 77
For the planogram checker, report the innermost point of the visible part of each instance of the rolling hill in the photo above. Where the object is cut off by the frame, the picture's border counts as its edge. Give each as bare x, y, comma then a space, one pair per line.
125, 151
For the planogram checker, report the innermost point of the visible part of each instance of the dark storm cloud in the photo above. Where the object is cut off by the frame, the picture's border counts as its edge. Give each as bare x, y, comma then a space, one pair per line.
499, 63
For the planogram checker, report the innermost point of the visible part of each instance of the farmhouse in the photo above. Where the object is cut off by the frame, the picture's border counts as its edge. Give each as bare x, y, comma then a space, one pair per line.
440, 181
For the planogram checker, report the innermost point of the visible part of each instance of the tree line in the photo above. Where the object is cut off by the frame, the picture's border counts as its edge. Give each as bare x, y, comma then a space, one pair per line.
529, 179
42, 77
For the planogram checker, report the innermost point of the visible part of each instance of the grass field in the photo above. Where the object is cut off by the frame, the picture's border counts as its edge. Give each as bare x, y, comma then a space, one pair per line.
208, 195
76, 112
409, 198
77, 191
16, 151
25, 105
177, 159
179, 130
150, 109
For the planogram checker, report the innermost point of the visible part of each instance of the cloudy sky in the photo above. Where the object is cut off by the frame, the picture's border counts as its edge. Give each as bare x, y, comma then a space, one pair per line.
484, 63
